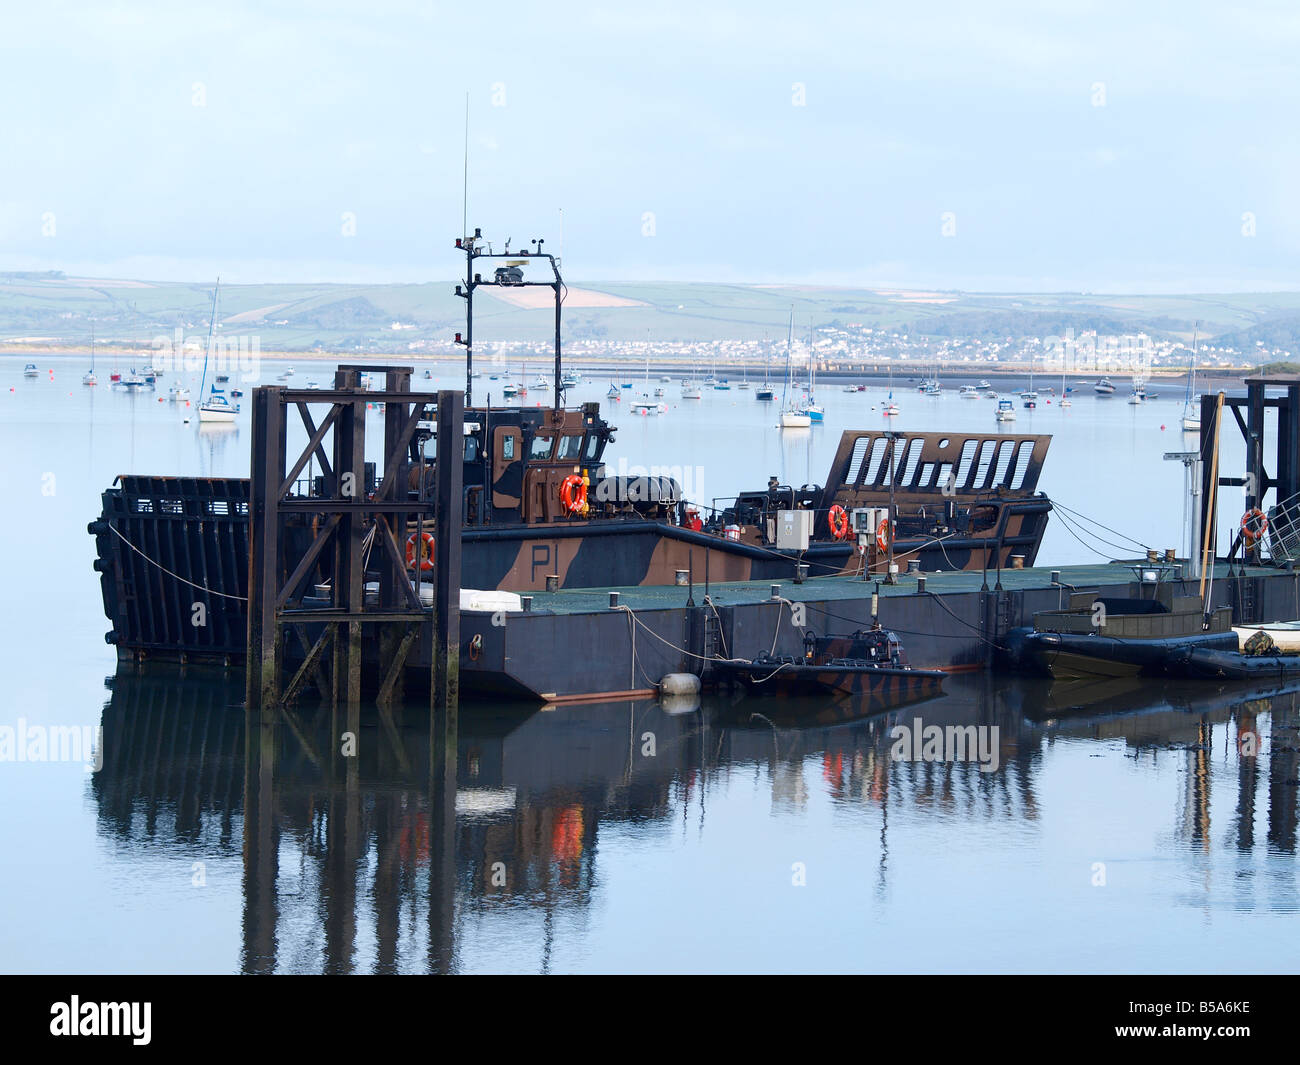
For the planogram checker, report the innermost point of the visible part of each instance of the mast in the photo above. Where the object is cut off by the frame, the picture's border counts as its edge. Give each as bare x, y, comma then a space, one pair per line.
789, 338
469, 268
471, 245
212, 324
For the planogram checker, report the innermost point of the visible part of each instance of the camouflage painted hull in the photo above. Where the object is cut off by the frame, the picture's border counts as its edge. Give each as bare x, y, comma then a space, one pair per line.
614, 554
864, 678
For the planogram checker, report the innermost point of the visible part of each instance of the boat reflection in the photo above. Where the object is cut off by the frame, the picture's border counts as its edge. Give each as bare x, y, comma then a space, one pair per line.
414, 850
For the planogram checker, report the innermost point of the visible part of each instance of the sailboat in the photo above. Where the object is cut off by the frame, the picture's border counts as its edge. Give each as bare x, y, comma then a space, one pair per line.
1139, 391
89, 377
764, 391
1029, 396
791, 417
890, 408
744, 375
1191, 410
1065, 393
645, 405
932, 387
815, 411
690, 390
216, 407
712, 380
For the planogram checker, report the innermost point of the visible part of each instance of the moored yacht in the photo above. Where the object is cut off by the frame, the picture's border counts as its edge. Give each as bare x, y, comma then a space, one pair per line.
217, 408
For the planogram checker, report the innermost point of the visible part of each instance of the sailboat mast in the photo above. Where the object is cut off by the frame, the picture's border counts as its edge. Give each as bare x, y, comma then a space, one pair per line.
212, 325
789, 339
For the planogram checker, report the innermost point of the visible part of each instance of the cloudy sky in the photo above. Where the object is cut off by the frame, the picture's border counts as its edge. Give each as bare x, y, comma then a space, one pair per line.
1044, 145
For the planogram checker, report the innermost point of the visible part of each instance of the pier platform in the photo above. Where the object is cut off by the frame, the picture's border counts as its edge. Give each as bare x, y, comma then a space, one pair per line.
573, 645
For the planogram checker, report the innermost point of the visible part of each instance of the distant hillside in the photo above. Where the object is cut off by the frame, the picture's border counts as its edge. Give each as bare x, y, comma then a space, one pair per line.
1283, 333
47, 307
993, 324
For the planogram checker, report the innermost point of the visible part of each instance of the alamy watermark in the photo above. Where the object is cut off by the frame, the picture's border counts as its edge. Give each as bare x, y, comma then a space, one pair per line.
641, 484
22, 742
240, 355
1128, 354
919, 742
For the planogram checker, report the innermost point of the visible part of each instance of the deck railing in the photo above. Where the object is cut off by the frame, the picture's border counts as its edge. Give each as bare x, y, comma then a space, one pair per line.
1283, 536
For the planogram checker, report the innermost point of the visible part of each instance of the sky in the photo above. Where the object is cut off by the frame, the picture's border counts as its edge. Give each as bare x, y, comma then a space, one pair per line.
1045, 146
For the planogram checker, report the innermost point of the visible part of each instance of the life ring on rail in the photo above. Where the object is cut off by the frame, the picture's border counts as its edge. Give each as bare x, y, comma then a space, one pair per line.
1254, 524
838, 521
883, 534
573, 494
425, 552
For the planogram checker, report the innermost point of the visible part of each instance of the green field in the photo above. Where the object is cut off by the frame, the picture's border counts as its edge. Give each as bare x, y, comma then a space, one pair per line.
39, 310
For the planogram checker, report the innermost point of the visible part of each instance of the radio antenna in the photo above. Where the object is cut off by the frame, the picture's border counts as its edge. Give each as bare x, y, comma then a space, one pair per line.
464, 201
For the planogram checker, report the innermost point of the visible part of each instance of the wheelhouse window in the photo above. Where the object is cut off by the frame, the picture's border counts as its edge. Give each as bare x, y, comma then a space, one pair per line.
570, 447
507, 448
541, 448
593, 447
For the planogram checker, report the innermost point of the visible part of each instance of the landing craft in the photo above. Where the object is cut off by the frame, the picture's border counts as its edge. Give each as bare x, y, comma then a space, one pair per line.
539, 502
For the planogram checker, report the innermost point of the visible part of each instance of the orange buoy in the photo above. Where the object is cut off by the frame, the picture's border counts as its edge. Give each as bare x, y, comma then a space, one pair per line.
425, 552
838, 520
573, 494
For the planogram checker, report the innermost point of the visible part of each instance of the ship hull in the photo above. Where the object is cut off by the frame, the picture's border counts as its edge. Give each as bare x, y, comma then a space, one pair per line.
788, 679
1071, 656
160, 541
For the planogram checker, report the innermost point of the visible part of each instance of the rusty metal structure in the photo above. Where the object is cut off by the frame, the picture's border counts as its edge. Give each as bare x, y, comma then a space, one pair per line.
1278, 474
313, 587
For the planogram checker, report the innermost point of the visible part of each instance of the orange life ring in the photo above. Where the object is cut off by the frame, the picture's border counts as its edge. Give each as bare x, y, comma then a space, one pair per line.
426, 552
1254, 524
883, 534
838, 521
573, 494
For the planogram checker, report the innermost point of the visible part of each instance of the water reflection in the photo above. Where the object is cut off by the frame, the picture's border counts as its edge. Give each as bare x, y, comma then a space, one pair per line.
408, 857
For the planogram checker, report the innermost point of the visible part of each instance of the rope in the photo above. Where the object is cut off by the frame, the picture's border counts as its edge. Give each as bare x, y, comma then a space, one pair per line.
1068, 527
174, 576
690, 654
1093, 521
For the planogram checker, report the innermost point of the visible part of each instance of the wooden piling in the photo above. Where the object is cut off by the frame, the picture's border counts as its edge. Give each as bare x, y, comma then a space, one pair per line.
265, 638
448, 521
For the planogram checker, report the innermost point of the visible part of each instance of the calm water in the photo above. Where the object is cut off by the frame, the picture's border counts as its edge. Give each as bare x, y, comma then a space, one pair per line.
1121, 830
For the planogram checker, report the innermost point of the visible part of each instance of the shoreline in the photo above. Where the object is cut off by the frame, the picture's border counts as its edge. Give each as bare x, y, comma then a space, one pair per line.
634, 367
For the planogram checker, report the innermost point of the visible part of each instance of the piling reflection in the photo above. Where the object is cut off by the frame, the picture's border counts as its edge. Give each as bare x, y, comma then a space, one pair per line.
394, 850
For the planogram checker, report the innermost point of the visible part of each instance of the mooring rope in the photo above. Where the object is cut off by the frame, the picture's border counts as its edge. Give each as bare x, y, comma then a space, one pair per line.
1081, 517
174, 576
